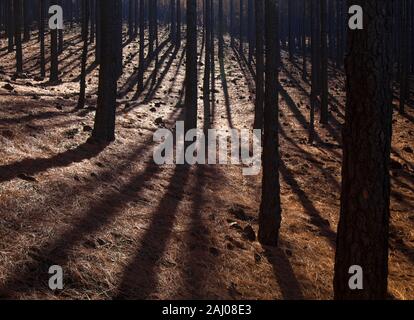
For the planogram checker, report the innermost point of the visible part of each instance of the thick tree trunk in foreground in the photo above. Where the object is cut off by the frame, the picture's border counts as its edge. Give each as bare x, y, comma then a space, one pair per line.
270, 210
104, 129
363, 226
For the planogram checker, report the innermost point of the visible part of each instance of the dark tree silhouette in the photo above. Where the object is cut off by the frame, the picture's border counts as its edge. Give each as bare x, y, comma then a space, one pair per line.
324, 63
54, 59
17, 6
191, 68
363, 226
104, 129
270, 209
259, 103
42, 38
85, 33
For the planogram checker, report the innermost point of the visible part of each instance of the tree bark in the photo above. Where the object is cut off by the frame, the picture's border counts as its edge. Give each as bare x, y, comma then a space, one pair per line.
259, 103
270, 210
191, 68
104, 129
364, 218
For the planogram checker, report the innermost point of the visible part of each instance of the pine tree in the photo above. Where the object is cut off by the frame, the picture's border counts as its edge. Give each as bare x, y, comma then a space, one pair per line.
17, 6
270, 210
191, 68
362, 238
104, 128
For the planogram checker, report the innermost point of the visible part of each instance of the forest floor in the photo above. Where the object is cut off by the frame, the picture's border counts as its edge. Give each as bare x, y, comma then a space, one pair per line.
123, 227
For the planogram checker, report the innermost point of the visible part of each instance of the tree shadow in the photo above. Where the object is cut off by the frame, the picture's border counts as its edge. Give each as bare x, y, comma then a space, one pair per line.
225, 87
151, 91
284, 274
58, 251
133, 78
315, 217
28, 167
198, 238
140, 279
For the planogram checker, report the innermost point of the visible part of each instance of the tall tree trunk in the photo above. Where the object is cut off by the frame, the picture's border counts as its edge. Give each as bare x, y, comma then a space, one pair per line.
42, 38
270, 210
10, 25
404, 53
131, 19
104, 129
85, 24
241, 16
173, 27
17, 6
250, 15
232, 23
259, 103
304, 39
290, 29
60, 35
207, 64
141, 67
26, 19
98, 32
54, 59
315, 38
362, 238
221, 29
178, 24
324, 64
191, 68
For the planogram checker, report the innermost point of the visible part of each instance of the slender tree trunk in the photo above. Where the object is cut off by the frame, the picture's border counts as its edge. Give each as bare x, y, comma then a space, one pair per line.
17, 6
270, 210
26, 20
221, 29
250, 28
232, 23
60, 35
92, 15
207, 64
104, 129
85, 24
173, 27
191, 68
178, 23
324, 64
241, 16
131, 19
404, 53
98, 32
10, 25
141, 66
290, 29
362, 238
42, 38
259, 103
304, 39
315, 70
54, 59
